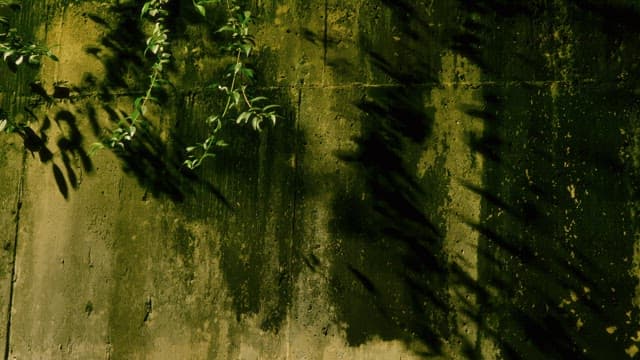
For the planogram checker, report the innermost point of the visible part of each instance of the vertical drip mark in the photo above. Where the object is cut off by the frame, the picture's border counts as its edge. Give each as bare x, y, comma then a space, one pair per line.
7, 346
296, 182
61, 34
325, 39
296, 174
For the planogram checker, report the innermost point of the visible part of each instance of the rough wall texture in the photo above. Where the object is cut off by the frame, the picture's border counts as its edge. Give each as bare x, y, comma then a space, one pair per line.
450, 179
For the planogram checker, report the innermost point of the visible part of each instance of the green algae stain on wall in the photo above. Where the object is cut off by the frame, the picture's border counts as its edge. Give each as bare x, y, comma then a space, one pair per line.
462, 212
571, 183
630, 155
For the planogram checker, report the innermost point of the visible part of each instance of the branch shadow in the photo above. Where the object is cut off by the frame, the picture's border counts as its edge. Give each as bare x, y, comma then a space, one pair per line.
391, 272
252, 170
548, 286
69, 145
546, 209
154, 161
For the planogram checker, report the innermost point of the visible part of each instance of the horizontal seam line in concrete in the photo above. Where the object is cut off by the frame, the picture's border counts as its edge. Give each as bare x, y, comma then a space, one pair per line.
540, 83
441, 85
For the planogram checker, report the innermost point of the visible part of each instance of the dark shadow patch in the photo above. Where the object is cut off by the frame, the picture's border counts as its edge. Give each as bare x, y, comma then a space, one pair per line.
60, 181
71, 142
35, 144
554, 186
37, 89
264, 188
390, 276
364, 280
160, 170
156, 163
61, 92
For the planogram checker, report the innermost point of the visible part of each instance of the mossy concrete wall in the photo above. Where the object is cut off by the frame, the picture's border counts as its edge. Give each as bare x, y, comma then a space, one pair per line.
449, 179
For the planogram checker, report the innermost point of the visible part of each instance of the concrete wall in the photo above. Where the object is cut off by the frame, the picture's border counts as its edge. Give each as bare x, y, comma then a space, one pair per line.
449, 179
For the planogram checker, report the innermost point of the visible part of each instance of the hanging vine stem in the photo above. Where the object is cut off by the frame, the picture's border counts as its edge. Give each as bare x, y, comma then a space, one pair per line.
240, 107
156, 44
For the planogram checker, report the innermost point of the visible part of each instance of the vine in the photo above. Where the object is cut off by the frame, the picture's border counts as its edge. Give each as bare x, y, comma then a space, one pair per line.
240, 106
156, 44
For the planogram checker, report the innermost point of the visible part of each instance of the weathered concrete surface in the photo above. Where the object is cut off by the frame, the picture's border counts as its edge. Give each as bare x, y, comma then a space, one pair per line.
449, 180
10, 178
11, 159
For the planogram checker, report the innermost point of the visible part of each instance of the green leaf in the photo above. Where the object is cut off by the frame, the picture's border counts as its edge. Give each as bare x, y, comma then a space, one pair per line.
207, 143
200, 9
246, 18
255, 123
135, 115
34, 59
236, 97
247, 73
246, 48
244, 117
145, 9
212, 119
137, 103
95, 147
3, 124
226, 28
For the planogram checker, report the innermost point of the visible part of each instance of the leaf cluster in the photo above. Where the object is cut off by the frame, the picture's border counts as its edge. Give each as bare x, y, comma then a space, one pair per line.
240, 106
9, 126
156, 44
15, 51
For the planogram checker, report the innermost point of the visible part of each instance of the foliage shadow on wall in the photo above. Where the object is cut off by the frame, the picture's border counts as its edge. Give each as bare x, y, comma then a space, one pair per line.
154, 160
254, 213
69, 147
545, 276
391, 245
551, 199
